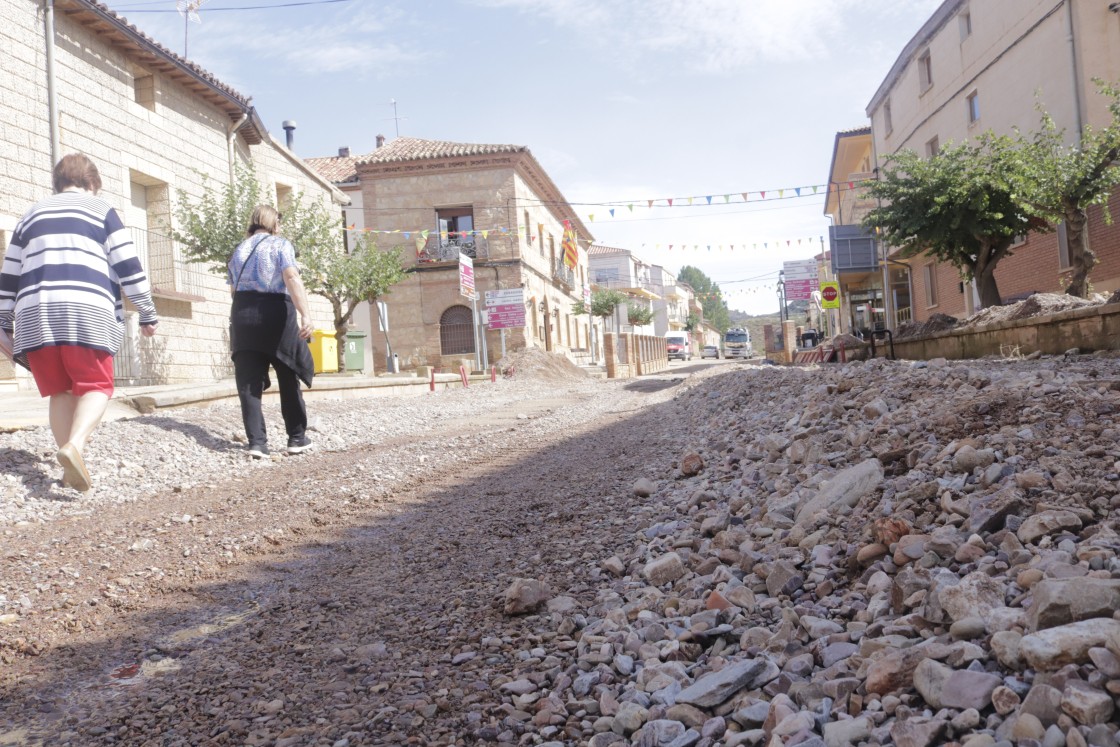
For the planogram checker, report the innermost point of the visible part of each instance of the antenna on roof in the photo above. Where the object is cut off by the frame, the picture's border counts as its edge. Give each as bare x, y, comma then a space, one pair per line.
395, 118
188, 9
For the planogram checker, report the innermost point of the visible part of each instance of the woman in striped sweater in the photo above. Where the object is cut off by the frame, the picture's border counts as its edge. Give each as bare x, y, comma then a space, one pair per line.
69, 260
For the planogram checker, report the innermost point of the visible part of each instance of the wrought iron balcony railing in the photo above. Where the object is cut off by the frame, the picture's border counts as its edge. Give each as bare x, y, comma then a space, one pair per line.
563, 274
440, 249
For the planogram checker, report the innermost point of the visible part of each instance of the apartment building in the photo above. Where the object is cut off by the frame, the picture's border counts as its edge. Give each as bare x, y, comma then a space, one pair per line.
984, 65
79, 77
615, 268
437, 200
670, 308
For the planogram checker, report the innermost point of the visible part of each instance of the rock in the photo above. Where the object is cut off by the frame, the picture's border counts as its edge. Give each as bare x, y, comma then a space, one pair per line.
716, 687
1005, 700
1086, 704
664, 570
968, 628
783, 578
846, 733
614, 566
525, 595
918, 732
895, 670
1055, 647
643, 487
1005, 645
1044, 703
1045, 523
845, 488
975, 596
943, 687
1058, 602
691, 464
629, 718
1027, 726
988, 513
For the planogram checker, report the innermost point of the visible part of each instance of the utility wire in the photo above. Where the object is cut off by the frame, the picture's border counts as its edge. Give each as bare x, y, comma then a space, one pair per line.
133, 9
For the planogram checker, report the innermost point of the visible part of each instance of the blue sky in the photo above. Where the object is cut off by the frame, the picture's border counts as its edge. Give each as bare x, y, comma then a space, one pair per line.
622, 101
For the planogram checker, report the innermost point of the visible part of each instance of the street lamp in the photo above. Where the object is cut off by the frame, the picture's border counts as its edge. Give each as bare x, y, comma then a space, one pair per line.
781, 295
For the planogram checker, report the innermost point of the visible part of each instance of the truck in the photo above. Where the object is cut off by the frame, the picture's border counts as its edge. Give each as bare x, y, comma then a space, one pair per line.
737, 343
678, 346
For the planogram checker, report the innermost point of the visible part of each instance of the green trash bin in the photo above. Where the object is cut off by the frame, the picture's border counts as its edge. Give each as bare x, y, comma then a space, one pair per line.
355, 355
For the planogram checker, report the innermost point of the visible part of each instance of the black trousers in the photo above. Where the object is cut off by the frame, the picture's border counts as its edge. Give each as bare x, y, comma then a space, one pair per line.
251, 371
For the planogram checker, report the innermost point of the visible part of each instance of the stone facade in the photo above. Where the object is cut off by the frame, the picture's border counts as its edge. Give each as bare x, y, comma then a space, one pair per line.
155, 125
516, 218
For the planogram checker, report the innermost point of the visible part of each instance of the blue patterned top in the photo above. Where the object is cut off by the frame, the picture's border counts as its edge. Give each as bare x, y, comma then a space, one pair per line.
265, 274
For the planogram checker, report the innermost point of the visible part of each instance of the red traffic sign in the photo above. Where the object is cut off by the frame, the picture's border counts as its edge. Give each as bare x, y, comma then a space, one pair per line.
829, 293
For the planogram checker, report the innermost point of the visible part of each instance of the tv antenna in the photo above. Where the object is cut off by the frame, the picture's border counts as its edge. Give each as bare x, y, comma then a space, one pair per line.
188, 9
395, 118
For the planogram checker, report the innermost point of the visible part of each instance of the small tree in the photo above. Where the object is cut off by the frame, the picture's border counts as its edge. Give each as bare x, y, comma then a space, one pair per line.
211, 227
1059, 182
956, 206
603, 304
638, 315
345, 280
711, 299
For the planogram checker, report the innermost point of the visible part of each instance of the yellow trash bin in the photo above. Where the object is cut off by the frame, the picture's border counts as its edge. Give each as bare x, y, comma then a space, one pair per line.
324, 351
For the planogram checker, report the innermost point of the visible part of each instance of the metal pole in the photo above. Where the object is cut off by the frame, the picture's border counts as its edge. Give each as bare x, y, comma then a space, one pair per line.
485, 351
52, 94
477, 346
503, 335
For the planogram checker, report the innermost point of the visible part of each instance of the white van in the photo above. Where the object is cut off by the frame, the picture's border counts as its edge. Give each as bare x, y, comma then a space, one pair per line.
679, 346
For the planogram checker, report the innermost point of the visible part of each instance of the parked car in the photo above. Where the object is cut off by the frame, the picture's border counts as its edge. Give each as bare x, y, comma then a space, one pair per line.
710, 351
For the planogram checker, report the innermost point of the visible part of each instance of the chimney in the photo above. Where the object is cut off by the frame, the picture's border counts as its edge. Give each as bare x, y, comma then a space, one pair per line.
343, 152
290, 128
380, 140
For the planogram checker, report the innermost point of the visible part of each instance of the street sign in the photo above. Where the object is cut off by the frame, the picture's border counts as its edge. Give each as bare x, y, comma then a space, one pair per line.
466, 277
505, 297
830, 295
506, 317
800, 269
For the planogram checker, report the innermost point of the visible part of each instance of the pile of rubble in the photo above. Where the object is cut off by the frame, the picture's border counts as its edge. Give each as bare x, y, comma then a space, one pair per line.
535, 363
880, 553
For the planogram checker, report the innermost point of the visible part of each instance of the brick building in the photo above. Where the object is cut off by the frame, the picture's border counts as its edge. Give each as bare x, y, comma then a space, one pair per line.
977, 66
154, 123
436, 200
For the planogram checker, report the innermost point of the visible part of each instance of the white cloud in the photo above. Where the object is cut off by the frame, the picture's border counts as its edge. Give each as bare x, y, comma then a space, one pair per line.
715, 36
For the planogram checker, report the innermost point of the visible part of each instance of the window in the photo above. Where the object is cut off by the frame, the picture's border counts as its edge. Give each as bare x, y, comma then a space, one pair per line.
925, 71
888, 123
1018, 240
144, 90
973, 102
456, 331
929, 274
1063, 247
283, 197
933, 147
965, 20
455, 225
551, 251
528, 231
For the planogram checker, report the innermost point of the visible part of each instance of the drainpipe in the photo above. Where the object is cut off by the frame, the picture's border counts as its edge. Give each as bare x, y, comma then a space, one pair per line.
1073, 71
230, 138
52, 95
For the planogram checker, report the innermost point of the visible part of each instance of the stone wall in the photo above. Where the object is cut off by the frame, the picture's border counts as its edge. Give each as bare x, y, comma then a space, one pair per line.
1093, 328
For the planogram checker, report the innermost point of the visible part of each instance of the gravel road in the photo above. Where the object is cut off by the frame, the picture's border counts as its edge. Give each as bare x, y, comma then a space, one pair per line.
348, 596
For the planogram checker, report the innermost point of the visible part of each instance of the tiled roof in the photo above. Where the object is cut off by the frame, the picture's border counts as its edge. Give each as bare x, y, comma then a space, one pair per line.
122, 22
415, 149
599, 249
864, 130
337, 169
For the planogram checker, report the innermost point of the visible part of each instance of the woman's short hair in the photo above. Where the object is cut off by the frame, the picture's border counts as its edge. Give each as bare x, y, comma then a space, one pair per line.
265, 217
76, 170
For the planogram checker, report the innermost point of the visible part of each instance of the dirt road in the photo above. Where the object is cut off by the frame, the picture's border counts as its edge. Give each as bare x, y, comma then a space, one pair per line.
348, 597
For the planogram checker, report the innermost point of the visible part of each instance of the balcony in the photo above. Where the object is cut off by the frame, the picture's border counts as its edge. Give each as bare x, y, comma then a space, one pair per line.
563, 274
629, 286
440, 249
169, 276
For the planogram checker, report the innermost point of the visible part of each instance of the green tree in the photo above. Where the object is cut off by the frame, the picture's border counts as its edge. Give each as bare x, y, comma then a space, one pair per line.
210, 228
692, 323
603, 304
711, 300
1059, 182
365, 274
638, 315
957, 206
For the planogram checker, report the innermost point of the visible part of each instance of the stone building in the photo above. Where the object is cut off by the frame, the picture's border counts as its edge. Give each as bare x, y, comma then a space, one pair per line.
495, 204
79, 77
977, 66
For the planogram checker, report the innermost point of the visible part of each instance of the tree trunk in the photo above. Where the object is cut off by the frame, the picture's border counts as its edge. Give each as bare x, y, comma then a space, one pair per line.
1082, 259
985, 278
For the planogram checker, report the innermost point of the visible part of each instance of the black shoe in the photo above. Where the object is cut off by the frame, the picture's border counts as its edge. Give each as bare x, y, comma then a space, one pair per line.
258, 451
298, 444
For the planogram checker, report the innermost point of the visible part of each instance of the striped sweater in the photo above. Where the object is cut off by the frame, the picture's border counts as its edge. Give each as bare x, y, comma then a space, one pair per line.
68, 262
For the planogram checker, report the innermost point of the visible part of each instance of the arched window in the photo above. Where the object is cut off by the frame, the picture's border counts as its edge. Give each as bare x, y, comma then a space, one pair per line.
456, 331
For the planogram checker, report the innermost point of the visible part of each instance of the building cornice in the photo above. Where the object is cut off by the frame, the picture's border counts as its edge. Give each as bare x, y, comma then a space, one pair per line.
928, 30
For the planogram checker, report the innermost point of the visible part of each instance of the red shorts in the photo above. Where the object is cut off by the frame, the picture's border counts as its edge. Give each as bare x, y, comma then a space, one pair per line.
71, 368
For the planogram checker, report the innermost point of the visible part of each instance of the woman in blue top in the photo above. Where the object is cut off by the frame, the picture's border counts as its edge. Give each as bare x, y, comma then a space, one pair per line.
267, 293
